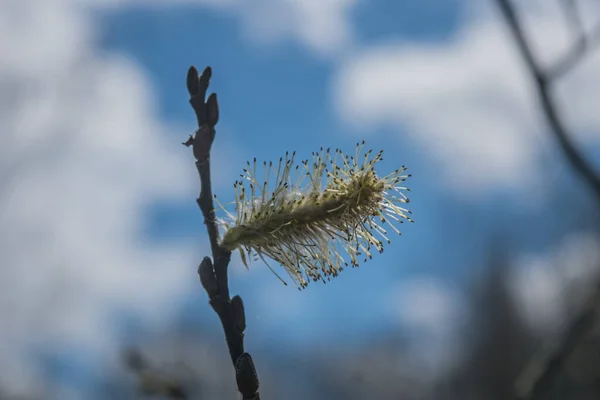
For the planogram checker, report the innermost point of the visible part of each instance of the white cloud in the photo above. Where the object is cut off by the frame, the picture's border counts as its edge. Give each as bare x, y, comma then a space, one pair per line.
81, 156
543, 283
322, 26
537, 288
427, 305
435, 313
467, 101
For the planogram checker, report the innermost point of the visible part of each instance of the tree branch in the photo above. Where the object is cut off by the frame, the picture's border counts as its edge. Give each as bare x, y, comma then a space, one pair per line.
573, 17
580, 165
538, 382
576, 54
539, 375
214, 277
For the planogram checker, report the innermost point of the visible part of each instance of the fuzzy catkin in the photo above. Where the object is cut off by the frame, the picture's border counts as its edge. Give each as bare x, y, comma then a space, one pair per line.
319, 216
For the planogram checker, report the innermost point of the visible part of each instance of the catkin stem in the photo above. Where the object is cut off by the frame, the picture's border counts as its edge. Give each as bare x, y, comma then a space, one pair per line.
318, 211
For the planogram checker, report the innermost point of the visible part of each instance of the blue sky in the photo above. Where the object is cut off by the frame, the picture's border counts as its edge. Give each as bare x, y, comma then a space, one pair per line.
435, 83
278, 97
274, 99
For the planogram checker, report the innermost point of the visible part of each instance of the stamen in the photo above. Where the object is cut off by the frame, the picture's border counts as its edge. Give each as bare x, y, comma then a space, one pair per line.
306, 227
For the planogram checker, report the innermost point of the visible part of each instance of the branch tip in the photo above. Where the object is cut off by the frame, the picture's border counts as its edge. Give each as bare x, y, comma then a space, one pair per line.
213, 276
192, 81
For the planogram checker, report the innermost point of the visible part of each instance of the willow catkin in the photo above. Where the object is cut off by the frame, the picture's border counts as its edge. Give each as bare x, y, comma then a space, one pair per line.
319, 216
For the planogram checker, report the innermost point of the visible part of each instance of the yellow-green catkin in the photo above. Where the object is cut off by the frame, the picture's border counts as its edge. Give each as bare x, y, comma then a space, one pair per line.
316, 217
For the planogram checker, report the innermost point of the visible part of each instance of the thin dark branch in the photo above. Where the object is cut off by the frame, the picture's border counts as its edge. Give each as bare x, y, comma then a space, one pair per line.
541, 373
540, 381
582, 47
572, 16
213, 273
580, 165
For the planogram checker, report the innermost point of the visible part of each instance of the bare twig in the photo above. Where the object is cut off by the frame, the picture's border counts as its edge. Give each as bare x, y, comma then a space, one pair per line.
537, 379
580, 165
572, 16
584, 44
544, 369
214, 277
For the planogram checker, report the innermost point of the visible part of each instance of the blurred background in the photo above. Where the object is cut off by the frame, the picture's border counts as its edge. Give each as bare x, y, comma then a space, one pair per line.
100, 234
